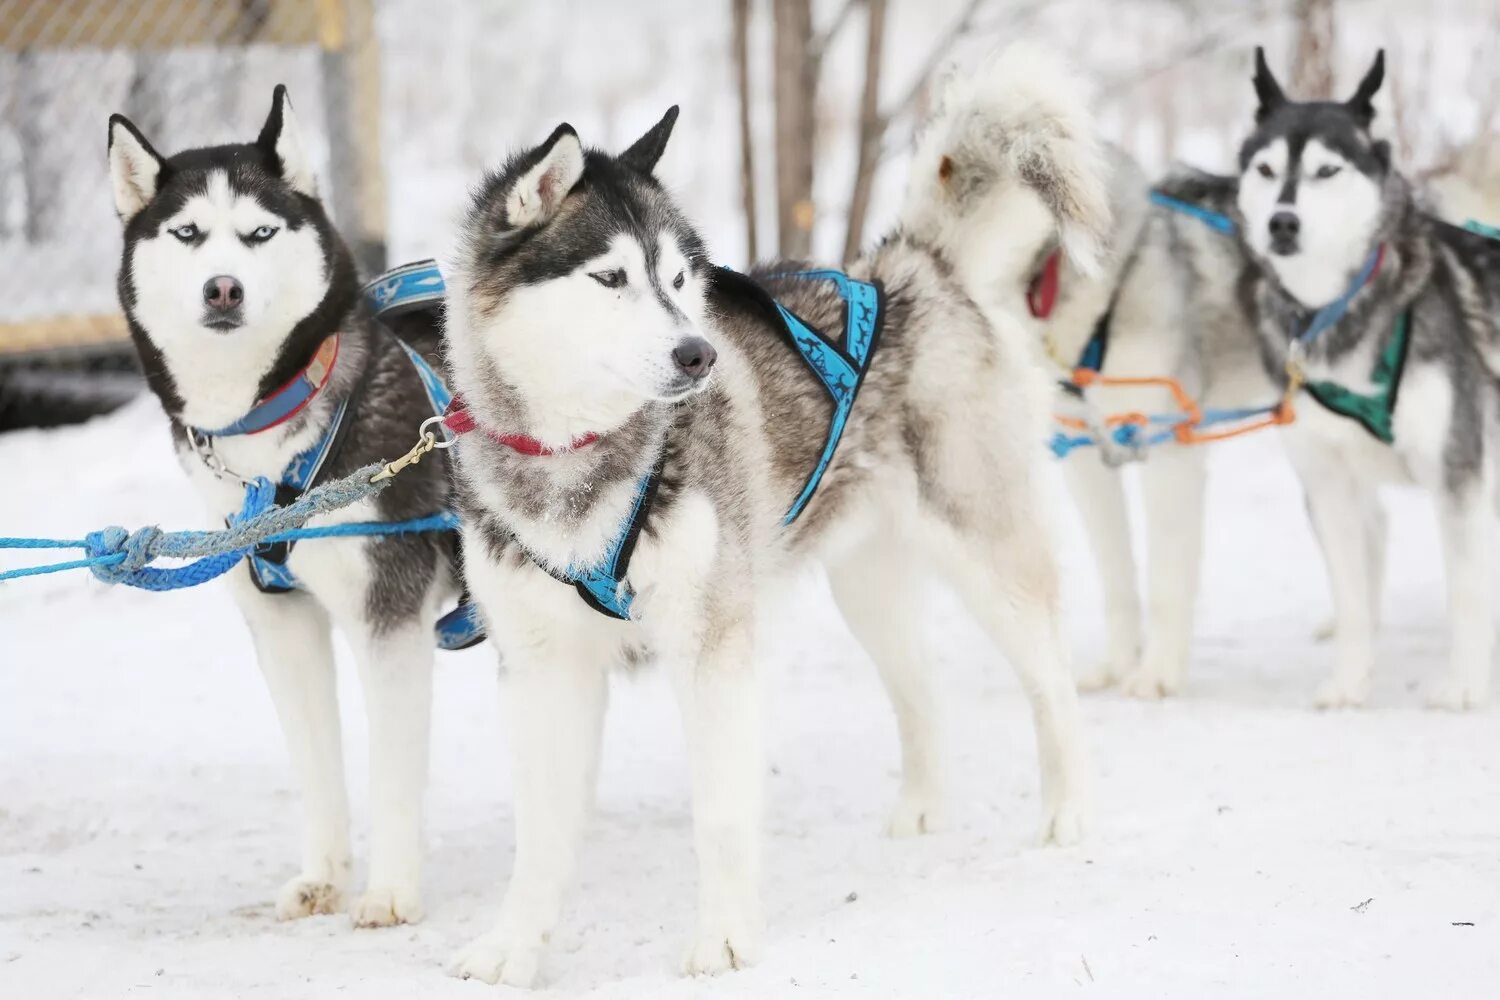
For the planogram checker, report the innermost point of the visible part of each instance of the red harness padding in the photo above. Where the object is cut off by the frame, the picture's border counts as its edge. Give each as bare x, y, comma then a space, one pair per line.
1041, 296
458, 420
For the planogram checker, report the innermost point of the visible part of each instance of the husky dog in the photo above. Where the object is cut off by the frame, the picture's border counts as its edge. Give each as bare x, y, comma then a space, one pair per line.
1168, 304
237, 288
1359, 294
593, 343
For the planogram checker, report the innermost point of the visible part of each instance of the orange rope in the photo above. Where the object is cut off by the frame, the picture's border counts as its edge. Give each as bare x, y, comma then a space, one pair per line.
1187, 431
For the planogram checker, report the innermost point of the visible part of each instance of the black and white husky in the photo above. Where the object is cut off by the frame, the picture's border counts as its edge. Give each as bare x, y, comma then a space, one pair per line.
1391, 320
243, 304
1169, 303
649, 428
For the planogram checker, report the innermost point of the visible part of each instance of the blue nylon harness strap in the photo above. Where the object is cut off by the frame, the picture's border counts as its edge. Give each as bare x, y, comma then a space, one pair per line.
413, 286
1210, 218
840, 370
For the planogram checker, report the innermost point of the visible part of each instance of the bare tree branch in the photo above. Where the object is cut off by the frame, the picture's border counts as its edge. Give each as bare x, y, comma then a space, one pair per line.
1204, 42
1312, 66
823, 39
795, 86
747, 139
871, 128
935, 57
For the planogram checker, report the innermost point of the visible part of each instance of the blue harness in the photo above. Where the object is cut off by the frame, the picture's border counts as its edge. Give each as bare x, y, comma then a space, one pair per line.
413, 286
839, 367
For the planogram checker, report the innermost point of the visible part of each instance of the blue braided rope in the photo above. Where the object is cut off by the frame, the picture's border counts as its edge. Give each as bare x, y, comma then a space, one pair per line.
119, 556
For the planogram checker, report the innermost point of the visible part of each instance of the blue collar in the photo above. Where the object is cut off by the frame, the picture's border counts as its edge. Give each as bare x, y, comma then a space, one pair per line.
286, 402
1335, 310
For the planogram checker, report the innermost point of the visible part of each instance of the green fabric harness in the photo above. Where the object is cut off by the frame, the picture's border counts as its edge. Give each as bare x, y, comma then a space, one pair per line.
1375, 411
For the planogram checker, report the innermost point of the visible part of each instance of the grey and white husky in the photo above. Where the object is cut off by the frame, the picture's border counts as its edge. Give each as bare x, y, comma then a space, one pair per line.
1169, 303
617, 380
1364, 294
238, 291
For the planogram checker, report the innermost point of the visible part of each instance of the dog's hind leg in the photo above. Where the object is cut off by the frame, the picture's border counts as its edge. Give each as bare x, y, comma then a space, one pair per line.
293, 644
718, 693
879, 593
1466, 524
1172, 484
1099, 493
1009, 582
395, 667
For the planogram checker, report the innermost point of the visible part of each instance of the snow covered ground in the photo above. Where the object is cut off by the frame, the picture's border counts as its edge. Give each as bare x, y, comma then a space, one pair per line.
1244, 845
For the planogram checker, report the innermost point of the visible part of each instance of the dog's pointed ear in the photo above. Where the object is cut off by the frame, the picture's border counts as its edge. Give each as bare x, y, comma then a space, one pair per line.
1266, 87
1362, 105
644, 153
135, 169
556, 168
280, 138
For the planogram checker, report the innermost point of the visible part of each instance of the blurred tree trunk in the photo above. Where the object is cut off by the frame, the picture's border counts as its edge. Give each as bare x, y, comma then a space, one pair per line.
747, 139
871, 129
1312, 65
794, 84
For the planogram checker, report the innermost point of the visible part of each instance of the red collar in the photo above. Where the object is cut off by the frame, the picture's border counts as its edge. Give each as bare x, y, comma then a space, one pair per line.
459, 420
1041, 296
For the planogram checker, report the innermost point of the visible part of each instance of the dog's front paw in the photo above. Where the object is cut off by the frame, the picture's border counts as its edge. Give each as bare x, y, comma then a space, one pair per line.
1062, 824
1342, 691
916, 813
499, 957
307, 895
1457, 692
387, 907
717, 950
1150, 683
1108, 672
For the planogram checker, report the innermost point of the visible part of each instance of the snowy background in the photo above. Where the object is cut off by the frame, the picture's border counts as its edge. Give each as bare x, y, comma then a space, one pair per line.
1244, 845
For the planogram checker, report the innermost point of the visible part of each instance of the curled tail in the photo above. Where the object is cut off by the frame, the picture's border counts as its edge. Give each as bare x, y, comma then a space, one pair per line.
1008, 164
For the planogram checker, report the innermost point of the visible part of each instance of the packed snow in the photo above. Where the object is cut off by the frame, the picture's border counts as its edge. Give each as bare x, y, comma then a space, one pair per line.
1243, 843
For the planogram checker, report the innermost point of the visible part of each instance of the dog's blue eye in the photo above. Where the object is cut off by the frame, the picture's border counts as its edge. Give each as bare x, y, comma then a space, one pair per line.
1327, 170
678, 281
186, 233
1265, 170
263, 233
609, 279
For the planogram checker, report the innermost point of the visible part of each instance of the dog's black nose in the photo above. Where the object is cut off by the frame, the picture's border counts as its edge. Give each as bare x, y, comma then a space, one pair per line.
694, 357
223, 293
1285, 226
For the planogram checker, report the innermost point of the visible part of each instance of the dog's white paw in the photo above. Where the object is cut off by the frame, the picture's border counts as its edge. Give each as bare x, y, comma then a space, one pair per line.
1150, 683
387, 907
1106, 673
1062, 824
1340, 691
1457, 692
499, 957
716, 950
916, 814
1324, 630
305, 896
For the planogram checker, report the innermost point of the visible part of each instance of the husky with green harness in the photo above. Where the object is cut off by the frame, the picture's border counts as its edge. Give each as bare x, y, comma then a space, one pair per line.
1389, 319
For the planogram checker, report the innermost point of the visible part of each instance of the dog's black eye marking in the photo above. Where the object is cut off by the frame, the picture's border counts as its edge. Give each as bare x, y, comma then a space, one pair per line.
679, 281
1327, 170
1264, 169
186, 234
609, 279
260, 235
